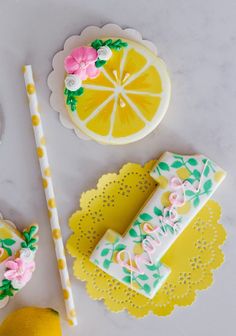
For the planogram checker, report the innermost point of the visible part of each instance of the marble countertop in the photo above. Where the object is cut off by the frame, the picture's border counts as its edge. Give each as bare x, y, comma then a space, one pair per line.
197, 39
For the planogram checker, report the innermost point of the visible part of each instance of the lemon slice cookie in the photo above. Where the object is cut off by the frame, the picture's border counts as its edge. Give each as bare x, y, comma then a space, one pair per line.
116, 91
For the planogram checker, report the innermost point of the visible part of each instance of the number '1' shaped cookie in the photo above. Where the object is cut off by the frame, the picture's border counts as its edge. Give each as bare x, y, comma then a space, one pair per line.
185, 183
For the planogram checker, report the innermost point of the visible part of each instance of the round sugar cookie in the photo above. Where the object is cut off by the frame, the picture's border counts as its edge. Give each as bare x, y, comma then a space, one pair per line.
126, 101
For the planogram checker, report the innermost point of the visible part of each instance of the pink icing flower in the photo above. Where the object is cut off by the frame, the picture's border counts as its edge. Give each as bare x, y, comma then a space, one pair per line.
81, 62
19, 271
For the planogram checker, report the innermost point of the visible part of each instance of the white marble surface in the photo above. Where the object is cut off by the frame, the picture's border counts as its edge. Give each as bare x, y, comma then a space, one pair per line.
197, 39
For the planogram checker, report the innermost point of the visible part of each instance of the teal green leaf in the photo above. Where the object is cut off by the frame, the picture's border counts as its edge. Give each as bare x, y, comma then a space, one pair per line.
133, 233
151, 267
105, 252
120, 247
156, 276
145, 217
99, 63
196, 174
164, 166
143, 277
96, 44
177, 164
106, 263
9, 252
192, 162
207, 185
125, 270
189, 193
196, 202
147, 288
156, 282
206, 171
157, 211
9, 242
127, 279
136, 223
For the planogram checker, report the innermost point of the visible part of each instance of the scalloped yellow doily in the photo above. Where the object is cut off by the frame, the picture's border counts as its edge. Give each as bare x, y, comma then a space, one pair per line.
113, 204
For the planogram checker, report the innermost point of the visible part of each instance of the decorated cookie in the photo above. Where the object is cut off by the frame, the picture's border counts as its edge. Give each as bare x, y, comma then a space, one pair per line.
185, 183
116, 90
17, 253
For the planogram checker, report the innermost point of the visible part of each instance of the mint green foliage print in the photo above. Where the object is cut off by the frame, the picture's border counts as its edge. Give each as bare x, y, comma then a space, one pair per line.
135, 259
30, 238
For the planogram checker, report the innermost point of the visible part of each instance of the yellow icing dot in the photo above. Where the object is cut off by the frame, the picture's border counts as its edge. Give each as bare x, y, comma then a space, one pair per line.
35, 120
45, 183
218, 176
40, 152
183, 173
184, 209
30, 89
165, 199
56, 233
43, 140
61, 264
72, 313
47, 172
71, 323
162, 182
51, 203
66, 294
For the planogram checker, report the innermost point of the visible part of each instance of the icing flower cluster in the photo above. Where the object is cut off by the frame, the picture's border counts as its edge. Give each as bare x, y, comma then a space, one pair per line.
85, 62
19, 268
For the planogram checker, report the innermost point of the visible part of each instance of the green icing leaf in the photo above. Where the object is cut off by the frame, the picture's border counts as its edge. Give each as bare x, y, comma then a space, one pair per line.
120, 247
133, 233
136, 223
196, 201
147, 288
206, 171
143, 277
105, 252
125, 270
99, 63
8, 242
127, 279
192, 162
106, 263
207, 185
145, 217
189, 193
157, 211
196, 174
177, 164
156, 282
164, 166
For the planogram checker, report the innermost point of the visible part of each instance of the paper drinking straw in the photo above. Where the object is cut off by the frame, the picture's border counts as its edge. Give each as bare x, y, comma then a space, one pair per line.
49, 193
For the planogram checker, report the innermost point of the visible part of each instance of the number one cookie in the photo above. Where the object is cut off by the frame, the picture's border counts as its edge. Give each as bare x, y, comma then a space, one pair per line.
185, 183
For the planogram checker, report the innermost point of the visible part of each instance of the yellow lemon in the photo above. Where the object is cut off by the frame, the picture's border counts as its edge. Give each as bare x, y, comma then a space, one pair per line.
127, 100
111, 236
184, 209
183, 173
31, 321
162, 182
165, 199
218, 176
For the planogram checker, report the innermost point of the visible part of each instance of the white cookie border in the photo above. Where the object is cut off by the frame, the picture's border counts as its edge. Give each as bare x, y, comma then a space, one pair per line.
56, 77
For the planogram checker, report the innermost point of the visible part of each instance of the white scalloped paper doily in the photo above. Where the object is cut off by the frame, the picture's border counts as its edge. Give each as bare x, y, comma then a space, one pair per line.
56, 77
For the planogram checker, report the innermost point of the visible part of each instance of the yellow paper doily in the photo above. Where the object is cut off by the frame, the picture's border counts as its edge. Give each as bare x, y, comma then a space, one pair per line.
113, 204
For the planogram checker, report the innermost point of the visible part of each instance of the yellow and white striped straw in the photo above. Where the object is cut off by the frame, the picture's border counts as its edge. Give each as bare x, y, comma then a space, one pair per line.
49, 193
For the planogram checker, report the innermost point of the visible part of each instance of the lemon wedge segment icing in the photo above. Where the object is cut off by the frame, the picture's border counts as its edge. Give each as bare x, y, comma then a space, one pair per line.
127, 100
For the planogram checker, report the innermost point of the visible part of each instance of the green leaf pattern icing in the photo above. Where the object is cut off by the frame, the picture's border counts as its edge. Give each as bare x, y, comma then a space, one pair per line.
155, 224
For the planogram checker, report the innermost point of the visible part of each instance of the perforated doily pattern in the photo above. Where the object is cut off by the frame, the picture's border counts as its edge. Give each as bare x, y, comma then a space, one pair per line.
113, 204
